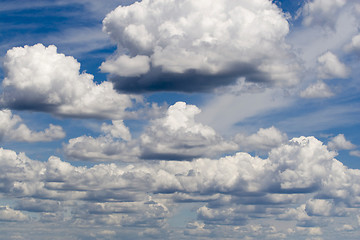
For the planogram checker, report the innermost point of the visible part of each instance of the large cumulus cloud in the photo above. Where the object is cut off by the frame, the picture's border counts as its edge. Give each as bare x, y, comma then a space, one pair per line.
39, 78
197, 45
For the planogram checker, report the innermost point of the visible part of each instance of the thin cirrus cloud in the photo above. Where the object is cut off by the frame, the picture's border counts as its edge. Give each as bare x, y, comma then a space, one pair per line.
198, 46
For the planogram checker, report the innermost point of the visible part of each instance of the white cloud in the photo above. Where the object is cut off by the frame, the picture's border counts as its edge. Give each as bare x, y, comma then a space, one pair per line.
340, 143
9, 214
210, 43
317, 90
321, 12
39, 78
117, 130
355, 153
264, 140
12, 129
102, 148
354, 46
233, 187
179, 136
319, 207
331, 67
127, 66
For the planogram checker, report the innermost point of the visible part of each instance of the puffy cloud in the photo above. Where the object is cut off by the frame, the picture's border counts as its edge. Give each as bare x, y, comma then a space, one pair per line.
117, 130
177, 136
321, 12
264, 140
113, 145
331, 67
9, 214
340, 143
102, 148
355, 153
197, 46
39, 78
317, 90
12, 129
354, 46
232, 187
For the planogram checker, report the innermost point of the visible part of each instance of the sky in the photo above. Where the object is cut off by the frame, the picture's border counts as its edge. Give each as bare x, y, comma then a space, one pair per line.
179, 119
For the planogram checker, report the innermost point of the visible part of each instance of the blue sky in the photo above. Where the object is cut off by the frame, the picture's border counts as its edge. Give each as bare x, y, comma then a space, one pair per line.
224, 119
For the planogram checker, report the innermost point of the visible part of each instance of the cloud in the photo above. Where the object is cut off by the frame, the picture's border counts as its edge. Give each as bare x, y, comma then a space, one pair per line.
354, 46
317, 90
321, 12
264, 140
340, 143
38, 78
12, 129
300, 177
177, 136
8, 214
331, 67
102, 148
355, 153
198, 46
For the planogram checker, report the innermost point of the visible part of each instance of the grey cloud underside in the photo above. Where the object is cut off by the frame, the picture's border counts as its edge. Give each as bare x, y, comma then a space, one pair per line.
189, 81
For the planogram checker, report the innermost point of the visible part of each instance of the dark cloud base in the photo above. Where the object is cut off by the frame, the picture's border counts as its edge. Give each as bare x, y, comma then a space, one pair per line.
191, 81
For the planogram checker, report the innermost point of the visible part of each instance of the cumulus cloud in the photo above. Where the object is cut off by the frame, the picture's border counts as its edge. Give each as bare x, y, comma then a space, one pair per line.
12, 129
177, 136
301, 177
264, 140
331, 67
317, 90
8, 214
321, 12
197, 46
39, 78
114, 144
354, 46
340, 143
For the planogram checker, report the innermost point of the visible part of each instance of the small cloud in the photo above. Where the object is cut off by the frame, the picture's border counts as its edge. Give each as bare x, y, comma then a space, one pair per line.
13, 129
331, 67
340, 143
8, 214
317, 90
355, 153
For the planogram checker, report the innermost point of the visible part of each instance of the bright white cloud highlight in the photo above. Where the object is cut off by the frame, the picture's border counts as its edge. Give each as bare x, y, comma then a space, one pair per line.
340, 143
264, 140
39, 78
197, 40
12, 128
331, 67
317, 90
178, 136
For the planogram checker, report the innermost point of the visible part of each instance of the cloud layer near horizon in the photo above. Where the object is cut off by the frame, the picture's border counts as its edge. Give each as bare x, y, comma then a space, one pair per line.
301, 177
